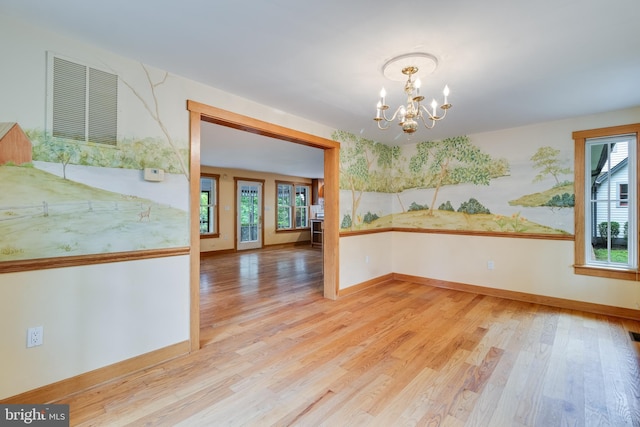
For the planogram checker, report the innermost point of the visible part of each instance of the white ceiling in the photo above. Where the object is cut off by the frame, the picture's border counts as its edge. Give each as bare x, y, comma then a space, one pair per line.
231, 148
508, 63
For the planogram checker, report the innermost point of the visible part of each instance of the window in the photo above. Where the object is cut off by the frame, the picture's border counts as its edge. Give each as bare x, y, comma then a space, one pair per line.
209, 205
606, 217
84, 103
293, 205
302, 206
623, 195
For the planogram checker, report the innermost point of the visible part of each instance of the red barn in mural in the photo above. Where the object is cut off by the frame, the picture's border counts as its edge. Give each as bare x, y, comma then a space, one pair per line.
15, 146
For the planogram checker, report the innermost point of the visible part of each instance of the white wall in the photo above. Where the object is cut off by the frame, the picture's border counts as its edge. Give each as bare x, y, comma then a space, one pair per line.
543, 267
94, 316
365, 257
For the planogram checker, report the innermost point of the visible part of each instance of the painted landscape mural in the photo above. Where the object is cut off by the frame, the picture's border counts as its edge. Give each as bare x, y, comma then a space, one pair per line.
64, 196
452, 184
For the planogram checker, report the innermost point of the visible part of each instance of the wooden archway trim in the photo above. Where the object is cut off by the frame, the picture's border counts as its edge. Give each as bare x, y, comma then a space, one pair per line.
201, 112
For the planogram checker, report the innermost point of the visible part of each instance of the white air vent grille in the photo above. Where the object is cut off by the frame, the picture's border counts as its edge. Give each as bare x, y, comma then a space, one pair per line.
103, 107
69, 99
85, 103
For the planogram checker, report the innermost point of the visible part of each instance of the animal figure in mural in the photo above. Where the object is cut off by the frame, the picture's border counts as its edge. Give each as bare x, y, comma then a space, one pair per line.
145, 214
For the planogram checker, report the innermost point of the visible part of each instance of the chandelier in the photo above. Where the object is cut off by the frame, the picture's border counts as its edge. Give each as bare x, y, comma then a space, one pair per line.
414, 111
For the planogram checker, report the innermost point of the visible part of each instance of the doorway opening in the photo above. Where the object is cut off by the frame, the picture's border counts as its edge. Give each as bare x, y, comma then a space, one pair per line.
201, 112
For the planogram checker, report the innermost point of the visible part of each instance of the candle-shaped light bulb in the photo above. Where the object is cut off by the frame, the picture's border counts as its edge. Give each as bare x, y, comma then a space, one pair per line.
403, 112
417, 85
446, 93
434, 105
378, 110
383, 93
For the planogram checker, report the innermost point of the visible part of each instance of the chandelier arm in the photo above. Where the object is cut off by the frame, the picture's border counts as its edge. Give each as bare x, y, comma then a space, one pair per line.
431, 116
384, 116
424, 122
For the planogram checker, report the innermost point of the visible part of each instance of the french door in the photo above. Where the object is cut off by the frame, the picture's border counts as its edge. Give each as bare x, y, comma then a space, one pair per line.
249, 214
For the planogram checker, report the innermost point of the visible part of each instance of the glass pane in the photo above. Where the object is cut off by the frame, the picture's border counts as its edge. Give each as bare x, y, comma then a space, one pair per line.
301, 217
285, 192
249, 213
609, 207
204, 212
207, 205
284, 195
302, 198
284, 217
611, 244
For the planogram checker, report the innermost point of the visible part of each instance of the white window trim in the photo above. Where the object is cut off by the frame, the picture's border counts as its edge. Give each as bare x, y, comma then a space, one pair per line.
580, 265
632, 243
293, 207
213, 205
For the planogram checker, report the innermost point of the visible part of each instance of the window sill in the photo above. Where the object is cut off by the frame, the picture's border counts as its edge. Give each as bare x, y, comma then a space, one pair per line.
609, 273
209, 236
292, 230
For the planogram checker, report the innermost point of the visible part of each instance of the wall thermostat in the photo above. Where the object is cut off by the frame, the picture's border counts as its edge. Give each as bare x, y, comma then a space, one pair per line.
152, 174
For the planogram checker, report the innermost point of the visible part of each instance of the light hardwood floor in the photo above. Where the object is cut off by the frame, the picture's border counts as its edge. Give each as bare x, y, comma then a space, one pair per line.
276, 353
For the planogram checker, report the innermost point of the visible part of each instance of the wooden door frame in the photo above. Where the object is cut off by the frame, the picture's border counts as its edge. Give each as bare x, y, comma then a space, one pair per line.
199, 112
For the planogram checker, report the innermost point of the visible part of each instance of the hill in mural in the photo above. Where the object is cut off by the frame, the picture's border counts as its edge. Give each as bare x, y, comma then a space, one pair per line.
448, 220
43, 216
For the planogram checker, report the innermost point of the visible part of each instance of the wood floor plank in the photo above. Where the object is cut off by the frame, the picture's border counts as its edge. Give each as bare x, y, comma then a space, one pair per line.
398, 403
276, 353
528, 407
504, 413
594, 391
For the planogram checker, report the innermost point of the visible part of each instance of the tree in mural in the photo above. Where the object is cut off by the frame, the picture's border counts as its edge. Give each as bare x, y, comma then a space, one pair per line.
417, 163
450, 161
154, 111
364, 166
56, 150
387, 161
547, 161
390, 169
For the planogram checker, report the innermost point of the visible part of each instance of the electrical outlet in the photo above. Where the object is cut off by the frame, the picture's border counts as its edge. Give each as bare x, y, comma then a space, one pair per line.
366, 259
490, 265
34, 336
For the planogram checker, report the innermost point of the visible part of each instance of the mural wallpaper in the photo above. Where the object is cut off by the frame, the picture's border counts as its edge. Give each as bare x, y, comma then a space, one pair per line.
452, 184
70, 197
